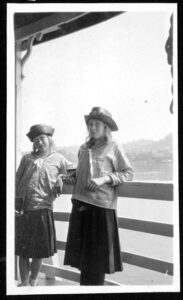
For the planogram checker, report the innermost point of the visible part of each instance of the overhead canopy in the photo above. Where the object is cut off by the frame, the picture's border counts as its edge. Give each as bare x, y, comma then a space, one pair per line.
54, 25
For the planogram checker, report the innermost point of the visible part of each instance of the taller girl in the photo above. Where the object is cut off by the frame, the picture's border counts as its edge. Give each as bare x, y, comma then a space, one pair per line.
93, 240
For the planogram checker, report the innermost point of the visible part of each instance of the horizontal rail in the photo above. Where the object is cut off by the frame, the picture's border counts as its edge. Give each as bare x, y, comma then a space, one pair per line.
66, 274
139, 261
146, 226
61, 216
131, 224
144, 190
147, 190
148, 263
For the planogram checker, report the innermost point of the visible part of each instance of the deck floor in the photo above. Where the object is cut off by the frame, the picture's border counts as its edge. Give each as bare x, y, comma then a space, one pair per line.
130, 276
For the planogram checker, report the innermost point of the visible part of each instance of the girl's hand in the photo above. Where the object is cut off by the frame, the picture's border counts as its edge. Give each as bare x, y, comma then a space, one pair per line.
58, 187
94, 183
68, 179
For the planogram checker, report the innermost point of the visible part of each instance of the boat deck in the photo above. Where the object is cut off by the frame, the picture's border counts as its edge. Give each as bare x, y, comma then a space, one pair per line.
131, 275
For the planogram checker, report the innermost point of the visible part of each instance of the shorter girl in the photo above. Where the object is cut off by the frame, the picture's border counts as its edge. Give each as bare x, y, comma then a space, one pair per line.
93, 241
37, 186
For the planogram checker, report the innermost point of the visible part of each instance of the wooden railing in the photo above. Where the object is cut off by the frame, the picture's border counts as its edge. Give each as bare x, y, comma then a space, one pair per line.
148, 191
141, 190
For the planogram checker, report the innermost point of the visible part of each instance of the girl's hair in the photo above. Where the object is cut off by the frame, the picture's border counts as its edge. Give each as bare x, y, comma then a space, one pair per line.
107, 137
52, 146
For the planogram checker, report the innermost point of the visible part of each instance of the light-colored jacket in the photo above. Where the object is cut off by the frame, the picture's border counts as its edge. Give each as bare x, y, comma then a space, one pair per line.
36, 179
102, 161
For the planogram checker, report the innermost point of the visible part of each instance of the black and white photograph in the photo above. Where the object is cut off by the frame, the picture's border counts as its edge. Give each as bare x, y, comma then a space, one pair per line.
92, 148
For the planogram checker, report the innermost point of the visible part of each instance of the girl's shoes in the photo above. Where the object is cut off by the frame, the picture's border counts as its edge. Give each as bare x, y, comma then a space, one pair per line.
32, 282
24, 283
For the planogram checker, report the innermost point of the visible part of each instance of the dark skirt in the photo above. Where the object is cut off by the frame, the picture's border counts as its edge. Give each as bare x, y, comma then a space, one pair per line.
93, 240
35, 235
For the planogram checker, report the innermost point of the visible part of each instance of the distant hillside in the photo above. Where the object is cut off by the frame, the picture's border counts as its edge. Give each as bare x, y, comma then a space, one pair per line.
141, 150
149, 149
71, 153
136, 151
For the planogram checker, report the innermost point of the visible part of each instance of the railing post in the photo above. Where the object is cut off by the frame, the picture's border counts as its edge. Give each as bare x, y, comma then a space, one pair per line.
53, 261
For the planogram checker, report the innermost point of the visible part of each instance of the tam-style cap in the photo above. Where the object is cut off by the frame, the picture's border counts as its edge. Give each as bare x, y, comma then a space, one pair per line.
39, 129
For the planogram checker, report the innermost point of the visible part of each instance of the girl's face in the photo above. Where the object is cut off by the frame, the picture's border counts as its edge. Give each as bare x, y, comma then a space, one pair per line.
96, 128
41, 143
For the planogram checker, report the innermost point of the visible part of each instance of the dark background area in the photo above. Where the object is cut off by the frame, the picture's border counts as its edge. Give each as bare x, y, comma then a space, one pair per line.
3, 49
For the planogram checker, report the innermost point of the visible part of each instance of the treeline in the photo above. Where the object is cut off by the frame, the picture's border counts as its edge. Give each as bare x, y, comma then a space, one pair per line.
71, 153
149, 150
141, 150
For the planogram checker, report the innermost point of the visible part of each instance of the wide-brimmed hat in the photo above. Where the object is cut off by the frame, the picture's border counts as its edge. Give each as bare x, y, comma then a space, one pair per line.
99, 113
39, 129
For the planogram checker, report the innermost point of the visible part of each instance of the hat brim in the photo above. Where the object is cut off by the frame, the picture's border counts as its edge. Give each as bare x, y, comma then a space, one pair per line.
101, 117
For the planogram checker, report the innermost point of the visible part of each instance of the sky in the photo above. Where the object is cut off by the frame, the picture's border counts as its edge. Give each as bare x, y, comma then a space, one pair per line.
119, 64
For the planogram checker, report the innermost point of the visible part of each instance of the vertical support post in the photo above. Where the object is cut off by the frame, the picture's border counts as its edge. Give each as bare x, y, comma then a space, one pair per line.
169, 51
18, 102
17, 275
53, 261
18, 117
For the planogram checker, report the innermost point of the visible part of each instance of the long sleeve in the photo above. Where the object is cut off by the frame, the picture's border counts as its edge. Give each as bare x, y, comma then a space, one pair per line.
123, 170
